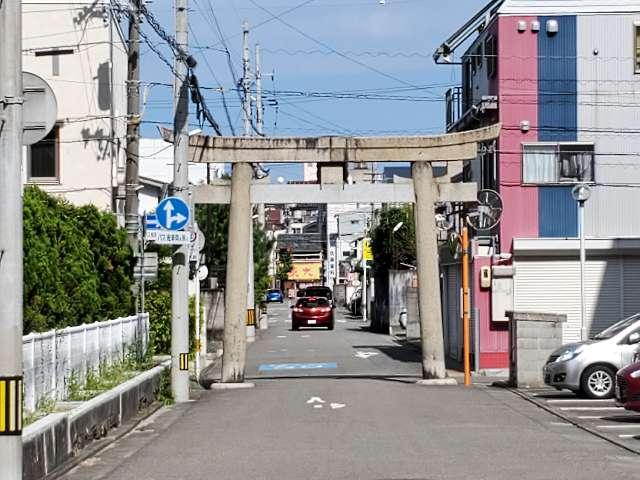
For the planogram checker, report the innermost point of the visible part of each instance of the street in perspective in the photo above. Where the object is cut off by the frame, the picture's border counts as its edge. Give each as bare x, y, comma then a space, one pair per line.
313, 239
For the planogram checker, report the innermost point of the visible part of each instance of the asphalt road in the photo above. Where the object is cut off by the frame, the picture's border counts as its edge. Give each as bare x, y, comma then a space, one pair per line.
363, 419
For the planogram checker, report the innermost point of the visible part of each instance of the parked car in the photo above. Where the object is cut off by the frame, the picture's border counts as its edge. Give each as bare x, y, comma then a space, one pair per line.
274, 295
628, 387
318, 291
312, 312
589, 367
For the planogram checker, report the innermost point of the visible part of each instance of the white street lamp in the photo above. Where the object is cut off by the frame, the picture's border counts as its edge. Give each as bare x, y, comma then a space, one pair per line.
581, 194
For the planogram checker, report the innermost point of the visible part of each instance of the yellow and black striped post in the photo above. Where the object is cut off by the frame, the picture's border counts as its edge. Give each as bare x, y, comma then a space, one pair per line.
184, 361
251, 317
10, 405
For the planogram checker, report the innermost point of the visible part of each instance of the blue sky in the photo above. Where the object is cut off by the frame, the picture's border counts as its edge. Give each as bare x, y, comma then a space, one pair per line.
350, 45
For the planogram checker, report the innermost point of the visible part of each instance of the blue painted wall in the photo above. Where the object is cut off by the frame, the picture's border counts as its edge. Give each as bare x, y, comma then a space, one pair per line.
557, 119
558, 212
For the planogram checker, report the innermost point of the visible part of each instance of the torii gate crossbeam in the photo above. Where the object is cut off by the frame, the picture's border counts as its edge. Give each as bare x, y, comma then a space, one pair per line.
333, 154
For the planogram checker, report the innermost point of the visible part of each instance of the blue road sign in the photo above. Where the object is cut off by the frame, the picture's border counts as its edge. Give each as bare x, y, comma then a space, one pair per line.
268, 367
151, 221
173, 213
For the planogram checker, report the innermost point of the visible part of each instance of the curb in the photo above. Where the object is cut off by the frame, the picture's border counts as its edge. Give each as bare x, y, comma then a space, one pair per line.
570, 420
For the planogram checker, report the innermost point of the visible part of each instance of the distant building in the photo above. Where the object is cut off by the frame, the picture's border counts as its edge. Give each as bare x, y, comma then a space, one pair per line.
563, 79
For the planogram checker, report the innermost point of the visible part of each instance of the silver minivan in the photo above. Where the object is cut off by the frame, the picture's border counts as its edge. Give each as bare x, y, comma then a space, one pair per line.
590, 367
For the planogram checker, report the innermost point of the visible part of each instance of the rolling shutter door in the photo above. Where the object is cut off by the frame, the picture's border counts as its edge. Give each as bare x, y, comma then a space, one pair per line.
553, 286
453, 311
631, 286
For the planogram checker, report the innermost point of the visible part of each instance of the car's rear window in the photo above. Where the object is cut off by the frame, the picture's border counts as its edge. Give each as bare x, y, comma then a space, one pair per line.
318, 292
312, 302
273, 291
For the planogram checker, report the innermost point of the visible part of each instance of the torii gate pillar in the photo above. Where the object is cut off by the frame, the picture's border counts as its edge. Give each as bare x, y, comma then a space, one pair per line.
235, 292
429, 305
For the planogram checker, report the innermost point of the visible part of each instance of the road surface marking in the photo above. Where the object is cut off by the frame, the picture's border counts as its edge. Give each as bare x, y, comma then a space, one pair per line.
576, 400
589, 408
283, 349
366, 355
317, 406
336, 406
610, 427
296, 366
306, 336
341, 321
315, 400
626, 435
282, 336
590, 417
562, 424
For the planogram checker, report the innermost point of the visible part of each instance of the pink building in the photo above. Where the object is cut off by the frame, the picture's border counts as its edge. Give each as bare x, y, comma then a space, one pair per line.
563, 79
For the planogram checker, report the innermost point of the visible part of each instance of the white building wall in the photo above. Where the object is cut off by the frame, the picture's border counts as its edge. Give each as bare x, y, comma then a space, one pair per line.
609, 116
90, 91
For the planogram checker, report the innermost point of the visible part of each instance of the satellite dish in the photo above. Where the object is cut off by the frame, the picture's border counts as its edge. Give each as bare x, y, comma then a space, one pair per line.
40, 108
488, 211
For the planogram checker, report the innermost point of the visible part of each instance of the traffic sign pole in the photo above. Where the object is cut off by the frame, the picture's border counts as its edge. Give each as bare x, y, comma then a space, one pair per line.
180, 270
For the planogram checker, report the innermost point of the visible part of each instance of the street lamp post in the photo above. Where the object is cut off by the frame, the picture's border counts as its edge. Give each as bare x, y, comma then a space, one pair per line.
581, 194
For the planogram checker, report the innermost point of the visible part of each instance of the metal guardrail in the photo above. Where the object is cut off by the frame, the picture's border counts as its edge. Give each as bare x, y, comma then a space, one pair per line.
50, 359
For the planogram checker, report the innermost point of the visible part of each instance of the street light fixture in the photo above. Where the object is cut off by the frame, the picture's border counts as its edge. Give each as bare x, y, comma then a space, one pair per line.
581, 194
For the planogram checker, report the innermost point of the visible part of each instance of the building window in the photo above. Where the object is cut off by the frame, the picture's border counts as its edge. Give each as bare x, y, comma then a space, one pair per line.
491, 51
557, 163
636, 31
43, 158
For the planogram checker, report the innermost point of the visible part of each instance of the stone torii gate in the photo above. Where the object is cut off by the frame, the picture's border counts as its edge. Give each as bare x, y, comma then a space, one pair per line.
332, 154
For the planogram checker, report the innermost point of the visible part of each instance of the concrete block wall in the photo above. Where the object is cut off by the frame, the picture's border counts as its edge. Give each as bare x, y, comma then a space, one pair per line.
533, 337
55, 439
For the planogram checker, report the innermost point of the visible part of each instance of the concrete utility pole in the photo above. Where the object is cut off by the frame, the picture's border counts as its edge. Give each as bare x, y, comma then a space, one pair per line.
235, 339
11, 276
248, 114
180, 269
133, 126
428, 273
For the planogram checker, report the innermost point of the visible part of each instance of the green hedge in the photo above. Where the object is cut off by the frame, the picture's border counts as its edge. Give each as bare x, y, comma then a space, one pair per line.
77, 264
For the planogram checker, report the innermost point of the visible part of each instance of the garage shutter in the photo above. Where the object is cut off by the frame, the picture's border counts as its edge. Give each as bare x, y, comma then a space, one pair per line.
631, 286
553, 286
453, 311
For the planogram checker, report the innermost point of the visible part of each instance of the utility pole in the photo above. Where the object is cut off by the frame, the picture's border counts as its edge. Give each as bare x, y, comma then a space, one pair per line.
11, 272
180, 268
259, 106
246, 87
133, 126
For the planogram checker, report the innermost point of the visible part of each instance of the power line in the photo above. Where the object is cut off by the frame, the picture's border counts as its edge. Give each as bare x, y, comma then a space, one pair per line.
328, 47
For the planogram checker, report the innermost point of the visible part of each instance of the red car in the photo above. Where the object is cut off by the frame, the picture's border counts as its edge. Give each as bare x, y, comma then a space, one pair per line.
312, 312
628, 387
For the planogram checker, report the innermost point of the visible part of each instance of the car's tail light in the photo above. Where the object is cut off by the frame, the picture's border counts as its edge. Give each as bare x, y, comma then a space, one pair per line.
325, 309
298, 310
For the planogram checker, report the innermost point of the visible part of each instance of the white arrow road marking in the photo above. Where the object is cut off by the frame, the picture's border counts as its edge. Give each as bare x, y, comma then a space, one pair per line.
341, 321
317, 406
336, 406
366, 355
171, 219
282, 336
315, 400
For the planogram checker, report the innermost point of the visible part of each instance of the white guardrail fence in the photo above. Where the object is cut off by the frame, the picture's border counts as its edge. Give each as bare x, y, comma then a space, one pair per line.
51, 358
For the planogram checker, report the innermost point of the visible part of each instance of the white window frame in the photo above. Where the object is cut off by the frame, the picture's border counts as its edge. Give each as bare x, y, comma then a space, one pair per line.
557, 180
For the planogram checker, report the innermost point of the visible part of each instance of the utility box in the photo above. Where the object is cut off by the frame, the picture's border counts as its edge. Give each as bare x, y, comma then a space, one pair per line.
501, 292
533, 337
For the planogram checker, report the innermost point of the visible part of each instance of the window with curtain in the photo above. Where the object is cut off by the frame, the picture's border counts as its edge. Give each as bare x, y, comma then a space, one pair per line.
636, 32
544, 163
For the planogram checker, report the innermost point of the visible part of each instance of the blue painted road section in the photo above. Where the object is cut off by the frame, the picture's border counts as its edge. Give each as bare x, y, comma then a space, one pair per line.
270, 367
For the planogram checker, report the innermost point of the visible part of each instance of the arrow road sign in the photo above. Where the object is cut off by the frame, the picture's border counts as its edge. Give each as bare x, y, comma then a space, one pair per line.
315, 400
173, 213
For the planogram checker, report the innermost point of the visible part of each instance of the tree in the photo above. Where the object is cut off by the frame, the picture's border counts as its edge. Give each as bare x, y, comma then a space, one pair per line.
213, 221
77, 264
285, 264
391, 250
